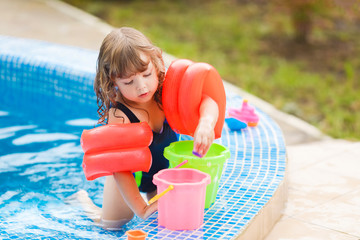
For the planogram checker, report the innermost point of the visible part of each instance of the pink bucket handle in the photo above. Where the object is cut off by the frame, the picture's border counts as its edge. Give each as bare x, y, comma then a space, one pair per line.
159, 195
182, 163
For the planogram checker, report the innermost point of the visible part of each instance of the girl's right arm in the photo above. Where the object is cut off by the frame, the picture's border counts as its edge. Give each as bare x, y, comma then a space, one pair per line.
126, 181
130, 192
204, 134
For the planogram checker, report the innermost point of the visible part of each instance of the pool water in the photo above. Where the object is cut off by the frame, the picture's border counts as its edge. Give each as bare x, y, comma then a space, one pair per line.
40, 166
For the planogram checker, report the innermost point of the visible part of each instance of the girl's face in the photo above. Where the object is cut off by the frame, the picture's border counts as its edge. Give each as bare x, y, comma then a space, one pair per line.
140, 87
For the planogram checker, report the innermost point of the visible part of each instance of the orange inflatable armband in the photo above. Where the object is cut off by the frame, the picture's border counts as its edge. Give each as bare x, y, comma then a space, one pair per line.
115, 148
184, 86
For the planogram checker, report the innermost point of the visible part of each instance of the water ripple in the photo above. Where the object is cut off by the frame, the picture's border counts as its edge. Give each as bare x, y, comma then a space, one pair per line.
84, 122
43, 137
11, 131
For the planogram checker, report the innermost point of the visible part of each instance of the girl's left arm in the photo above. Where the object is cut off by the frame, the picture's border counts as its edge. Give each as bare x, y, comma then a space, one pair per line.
204, 134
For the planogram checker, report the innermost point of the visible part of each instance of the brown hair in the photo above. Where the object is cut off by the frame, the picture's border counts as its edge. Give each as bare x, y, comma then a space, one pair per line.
120, 56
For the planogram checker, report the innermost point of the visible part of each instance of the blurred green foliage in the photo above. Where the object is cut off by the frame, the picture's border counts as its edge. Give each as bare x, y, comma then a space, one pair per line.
253, 45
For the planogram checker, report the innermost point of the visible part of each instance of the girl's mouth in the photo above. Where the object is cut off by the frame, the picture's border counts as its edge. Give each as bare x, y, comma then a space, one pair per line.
144, 95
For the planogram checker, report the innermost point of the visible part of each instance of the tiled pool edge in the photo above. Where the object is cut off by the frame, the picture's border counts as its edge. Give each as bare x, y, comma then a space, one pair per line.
271, 213
36, 57
268, 216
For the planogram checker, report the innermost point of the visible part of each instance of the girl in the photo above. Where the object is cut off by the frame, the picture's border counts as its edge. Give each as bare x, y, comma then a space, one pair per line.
128, 85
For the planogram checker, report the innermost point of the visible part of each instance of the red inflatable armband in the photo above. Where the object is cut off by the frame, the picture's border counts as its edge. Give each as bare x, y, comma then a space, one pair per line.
115, 148
184, 86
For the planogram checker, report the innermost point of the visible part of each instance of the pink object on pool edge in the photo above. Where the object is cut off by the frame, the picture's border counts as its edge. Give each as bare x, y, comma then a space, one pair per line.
245, 114
183, 207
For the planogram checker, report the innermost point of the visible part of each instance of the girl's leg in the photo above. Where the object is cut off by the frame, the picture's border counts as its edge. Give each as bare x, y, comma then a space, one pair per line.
82, 198
131, 195
115, 211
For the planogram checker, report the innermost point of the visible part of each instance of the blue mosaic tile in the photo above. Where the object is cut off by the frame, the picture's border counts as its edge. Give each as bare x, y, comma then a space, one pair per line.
250, 177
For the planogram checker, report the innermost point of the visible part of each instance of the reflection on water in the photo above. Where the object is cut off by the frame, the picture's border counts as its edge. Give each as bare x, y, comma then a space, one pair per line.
40, 165
85, 122
43, 137
10, 131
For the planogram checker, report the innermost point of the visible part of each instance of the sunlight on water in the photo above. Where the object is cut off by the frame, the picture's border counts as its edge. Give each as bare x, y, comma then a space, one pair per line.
40, 166
45, 137
86, 122
2, 113
11, 131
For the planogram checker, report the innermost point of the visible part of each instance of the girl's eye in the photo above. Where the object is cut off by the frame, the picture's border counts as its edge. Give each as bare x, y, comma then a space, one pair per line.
147, 75
128, 83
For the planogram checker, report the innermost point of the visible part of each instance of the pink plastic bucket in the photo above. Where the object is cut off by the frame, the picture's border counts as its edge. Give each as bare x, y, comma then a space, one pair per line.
183, 207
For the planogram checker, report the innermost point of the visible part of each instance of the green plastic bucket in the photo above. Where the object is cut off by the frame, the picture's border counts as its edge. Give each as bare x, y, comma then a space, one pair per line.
211, 164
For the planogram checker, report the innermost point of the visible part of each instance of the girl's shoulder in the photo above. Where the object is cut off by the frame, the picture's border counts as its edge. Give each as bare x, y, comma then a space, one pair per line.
117, 116
122, 113
128, 114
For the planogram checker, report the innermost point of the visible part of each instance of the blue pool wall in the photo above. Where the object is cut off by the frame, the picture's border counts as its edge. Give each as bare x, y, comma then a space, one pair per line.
47, 75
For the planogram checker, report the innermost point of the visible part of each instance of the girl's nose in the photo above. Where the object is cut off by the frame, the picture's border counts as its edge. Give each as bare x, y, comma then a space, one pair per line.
141, 86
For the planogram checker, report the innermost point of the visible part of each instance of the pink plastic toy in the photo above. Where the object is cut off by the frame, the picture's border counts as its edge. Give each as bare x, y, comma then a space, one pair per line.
245, 114
183, 207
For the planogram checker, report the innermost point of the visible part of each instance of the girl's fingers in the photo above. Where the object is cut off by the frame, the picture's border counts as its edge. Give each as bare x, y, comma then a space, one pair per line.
202, 145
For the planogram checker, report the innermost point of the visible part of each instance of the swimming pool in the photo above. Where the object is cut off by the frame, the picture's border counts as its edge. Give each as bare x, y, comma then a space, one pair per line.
47, 100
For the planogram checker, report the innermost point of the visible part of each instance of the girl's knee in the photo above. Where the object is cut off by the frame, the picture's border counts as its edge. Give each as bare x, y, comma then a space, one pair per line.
114, 224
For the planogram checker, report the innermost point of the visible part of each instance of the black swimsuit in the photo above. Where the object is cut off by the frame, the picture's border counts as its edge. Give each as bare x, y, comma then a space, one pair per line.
160, 141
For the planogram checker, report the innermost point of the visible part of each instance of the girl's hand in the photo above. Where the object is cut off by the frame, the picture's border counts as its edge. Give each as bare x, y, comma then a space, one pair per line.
130, 192
150, 209
204, 136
